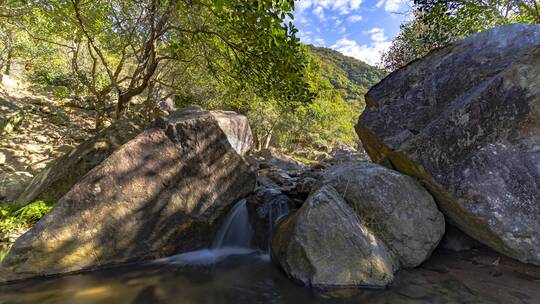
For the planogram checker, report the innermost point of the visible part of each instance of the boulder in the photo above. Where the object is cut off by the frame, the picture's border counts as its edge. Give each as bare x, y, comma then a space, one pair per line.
394, 206
12, 184
61, 174
325, 244
161, 193
465, 120
236, 128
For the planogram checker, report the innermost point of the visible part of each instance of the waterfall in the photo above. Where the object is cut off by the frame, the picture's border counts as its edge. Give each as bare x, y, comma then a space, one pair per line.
278, 208
236, 231
233, 238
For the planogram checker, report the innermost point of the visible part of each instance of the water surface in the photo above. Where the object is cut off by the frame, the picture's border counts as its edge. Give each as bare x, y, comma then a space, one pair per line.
475, 277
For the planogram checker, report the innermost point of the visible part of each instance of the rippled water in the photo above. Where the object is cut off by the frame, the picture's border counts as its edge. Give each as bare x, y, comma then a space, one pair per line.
446, 278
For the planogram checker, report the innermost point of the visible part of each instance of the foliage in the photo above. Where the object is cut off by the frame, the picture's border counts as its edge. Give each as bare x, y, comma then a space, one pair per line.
140, 51
221, 54
437, 23
13, 216
336, 82
352, 78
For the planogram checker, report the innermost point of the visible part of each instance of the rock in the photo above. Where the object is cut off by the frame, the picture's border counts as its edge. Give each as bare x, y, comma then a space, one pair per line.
276, 178
2, 158
325, 244
465, 120
237, 130
162, 193
341, 155
11, 123
12, 184
277, 159
167, 105
265, 207
59, 176
36, 167
394, 206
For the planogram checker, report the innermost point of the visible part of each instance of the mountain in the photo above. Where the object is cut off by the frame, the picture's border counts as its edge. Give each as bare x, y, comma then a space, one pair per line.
350, 76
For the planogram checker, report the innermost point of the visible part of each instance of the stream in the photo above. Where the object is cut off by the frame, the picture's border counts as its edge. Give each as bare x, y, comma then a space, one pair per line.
230, 271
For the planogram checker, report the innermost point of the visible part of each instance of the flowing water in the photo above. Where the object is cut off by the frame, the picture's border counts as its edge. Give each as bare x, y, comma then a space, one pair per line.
231, 272
233, 238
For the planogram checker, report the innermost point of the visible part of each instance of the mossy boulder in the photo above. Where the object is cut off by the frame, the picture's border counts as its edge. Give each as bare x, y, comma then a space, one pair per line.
325, 244
396, 208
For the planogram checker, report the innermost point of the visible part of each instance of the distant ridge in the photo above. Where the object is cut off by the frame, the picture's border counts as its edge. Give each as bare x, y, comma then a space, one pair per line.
350, 76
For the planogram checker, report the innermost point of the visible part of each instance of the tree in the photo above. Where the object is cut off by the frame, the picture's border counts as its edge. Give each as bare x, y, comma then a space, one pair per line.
134, 47
438, 23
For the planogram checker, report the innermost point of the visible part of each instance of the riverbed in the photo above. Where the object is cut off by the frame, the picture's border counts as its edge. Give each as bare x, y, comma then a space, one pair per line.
478, 276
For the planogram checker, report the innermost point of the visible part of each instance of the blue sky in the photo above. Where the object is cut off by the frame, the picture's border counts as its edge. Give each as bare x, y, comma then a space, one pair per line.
356, 28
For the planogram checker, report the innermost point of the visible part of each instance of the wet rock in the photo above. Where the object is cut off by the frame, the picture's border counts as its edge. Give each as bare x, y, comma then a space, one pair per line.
161, 193
265, 207
325, 244
396, 208
465, 121
12, 184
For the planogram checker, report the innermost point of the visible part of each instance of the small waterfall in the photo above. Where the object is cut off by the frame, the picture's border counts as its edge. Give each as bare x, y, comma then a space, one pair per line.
236, 231
233, 238
278, 208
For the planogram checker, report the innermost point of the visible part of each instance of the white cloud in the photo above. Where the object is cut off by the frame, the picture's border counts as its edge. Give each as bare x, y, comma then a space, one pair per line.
377, 34
319, 12
392, 6
354, 18
370, 53
308, 38
341, 6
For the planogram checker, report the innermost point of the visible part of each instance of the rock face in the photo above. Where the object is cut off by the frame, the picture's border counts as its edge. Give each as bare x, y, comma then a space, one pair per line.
466, 121
325, 244
396, 208
60, 175
161, 193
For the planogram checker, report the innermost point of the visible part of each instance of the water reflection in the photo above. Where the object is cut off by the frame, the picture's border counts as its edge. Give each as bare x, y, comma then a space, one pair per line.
446, 278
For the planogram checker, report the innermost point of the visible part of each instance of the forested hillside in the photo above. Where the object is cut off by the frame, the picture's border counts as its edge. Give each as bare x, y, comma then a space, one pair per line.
351, 77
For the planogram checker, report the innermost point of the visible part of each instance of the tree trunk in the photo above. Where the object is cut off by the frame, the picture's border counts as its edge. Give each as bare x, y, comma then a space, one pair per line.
268, 139
100, 112
9, 57
123, 104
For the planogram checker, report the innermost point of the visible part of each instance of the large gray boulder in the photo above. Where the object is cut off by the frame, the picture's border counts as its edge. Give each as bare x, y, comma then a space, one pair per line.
325, 244
394, 206
466, 121
161, 193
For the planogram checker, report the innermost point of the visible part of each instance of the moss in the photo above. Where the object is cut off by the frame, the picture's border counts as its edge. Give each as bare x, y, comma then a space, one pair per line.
16, 217
305, 160
450, 205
